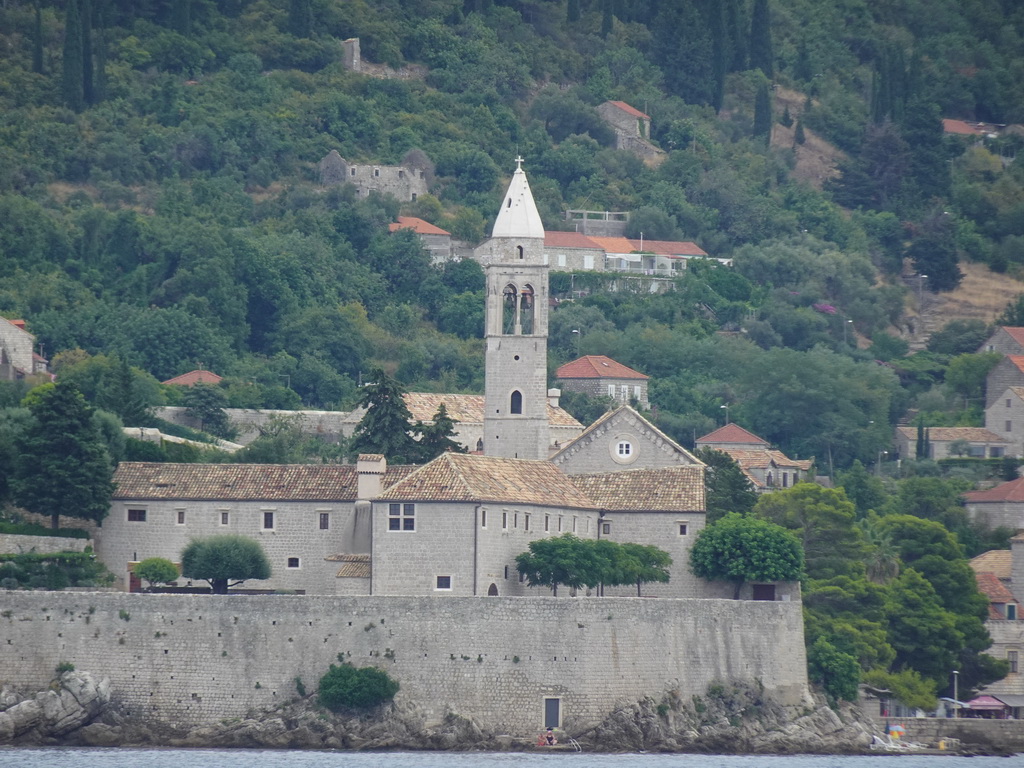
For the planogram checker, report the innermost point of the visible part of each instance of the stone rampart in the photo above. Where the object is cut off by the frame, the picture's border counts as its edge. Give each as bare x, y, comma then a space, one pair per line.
16, 544
200, 659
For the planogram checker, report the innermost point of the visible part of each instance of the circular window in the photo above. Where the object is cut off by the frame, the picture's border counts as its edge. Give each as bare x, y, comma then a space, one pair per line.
623, 449
516, 357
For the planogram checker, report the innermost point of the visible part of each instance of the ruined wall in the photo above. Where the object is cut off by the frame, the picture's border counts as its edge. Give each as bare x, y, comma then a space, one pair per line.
196, 659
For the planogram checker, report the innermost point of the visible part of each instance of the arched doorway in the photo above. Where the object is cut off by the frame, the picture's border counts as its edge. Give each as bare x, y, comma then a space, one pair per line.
492, 591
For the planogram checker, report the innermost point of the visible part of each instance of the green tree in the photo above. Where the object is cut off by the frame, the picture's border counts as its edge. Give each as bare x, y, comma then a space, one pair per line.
206, 403
156, 570
643, 564
345, 687
862, 488
37, 38
739, 549
224, 561
386, 427
836, 672
72, 88
761, 54
564, 560
436, 437
63, 465
921, 631
959, 337
728, 489
907, 686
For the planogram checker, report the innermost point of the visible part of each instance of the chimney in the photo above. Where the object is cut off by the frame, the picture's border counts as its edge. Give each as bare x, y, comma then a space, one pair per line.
370, 469
553, 396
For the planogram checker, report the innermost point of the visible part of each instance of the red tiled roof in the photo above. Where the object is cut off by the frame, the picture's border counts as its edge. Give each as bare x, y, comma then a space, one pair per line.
195, 377
764, 458
1010, 491
629, 110
995, 561
419, 226
242, 482
732, 433
1017, 360
672, 247
1016, 333
569, 240
597, 367
959, 127
991, 587
948, 434
616, 244
669, 489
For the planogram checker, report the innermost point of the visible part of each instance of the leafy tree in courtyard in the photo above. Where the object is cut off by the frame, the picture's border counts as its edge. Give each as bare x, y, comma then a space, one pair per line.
386, 428
739, 549
345, 686
644, 563
224, 561
156, 570
63, 467
728, 488
564, 560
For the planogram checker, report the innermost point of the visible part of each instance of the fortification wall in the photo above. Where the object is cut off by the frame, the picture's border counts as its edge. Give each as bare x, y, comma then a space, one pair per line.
195, 659
16, 544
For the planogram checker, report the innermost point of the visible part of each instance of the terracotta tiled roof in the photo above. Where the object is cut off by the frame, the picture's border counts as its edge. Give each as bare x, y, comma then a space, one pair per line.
419, 226
597, 367
629, 110
195, 377
242, 482
354, 566
959, 127
616, 244
469, 409
568, 240
671, 247
997, 561
1009, 491
1014, 332
764, 458
1017, 360
671, 489
19, 324
599, 424
991, 587
949, 434
468, 478
732, 433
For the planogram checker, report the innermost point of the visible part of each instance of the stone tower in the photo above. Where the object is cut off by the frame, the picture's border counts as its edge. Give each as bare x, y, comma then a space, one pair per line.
516, 362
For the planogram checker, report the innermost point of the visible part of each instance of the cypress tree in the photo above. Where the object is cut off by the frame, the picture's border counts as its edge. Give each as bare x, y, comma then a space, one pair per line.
606, 18
919, 447
761, 56
37, 40
572, 12
763, 115
798, 135
715, 12
71, 72
88, 92
99, 88
736, 28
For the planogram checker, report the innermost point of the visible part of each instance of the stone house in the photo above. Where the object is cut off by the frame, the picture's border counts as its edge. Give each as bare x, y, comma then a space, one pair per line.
621, 440
1006, 340
404, 183
437, 241
1008, 372
1000, 576
600, 376
1005, 417
999, 507
631, 126
980, 442
767, 468
17, 351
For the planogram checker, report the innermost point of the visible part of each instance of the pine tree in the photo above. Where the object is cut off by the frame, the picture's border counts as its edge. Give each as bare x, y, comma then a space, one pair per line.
387, 427
761, 55
763, 115
436, 437
71, 75
63, 467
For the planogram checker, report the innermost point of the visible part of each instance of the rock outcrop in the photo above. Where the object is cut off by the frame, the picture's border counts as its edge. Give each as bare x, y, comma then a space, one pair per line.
74, 700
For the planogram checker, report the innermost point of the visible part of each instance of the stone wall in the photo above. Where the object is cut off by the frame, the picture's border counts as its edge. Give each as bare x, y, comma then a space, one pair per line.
328, 425
1005, 417
16, 544
930, 730
1003, 376
199, 659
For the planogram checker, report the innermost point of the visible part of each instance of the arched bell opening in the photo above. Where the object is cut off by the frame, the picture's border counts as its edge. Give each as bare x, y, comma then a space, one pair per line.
527, 306
509, 310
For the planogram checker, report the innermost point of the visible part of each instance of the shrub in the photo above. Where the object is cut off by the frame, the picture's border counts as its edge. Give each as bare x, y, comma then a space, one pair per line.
347, 687
156, 570
64, 666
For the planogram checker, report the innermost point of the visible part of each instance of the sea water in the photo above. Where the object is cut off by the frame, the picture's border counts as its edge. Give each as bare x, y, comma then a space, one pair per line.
249, 758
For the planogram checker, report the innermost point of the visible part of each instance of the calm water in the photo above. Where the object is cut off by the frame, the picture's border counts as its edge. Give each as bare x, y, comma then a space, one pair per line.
244, 758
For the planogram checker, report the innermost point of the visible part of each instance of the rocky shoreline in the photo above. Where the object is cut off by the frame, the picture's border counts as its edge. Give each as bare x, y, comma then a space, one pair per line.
79, 711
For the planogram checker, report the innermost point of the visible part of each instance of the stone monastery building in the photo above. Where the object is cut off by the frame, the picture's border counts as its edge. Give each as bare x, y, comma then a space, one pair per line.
455, 525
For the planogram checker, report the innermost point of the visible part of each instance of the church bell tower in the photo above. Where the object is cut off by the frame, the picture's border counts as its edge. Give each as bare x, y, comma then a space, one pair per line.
516, 361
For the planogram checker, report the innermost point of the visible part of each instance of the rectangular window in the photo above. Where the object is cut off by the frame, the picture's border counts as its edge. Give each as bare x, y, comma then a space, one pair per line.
1007, 402
1011, 612
611, 391
995, 453
588, 261
136, 515
606, 528
515, 520
547, 523
181, 517
223, 518
636, 393
559, 523
624, 393
574, 523
506, 573
401, 517
293, 562
1009, 426
684, 528
1011, 656
526, 525
976, 451
268, 521
483, 518
444, 583
504, 521
561, 259
325, 521
785, 479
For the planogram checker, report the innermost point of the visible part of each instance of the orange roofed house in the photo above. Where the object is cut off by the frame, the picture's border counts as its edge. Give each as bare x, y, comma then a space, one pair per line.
600, 376
1000, 577
436, 240
976, 441
767, 468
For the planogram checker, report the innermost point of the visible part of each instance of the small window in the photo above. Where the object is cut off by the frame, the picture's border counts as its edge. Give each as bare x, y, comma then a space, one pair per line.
606, 528
483, 518
559, 523
353, 171
293, 562
611, 391
764, 592
516, 402
515, 520
223, 518
519, 251
504, 521
1011, 612
574, 523
181, 517
268, 521
561, 259
1009, 426
325, 521
624, 392
995, 453
402, 517
547, 523
506, 573
401, 174
522, 578
136, 515
684, 528
376, 171
785, 479
1007, 402
444, 583
526, 525
624, 448
1011, 656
